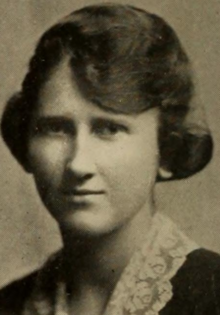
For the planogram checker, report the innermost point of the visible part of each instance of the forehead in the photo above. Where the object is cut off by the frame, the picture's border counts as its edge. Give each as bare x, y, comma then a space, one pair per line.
61, 93
61, 96
117, 88
59, 85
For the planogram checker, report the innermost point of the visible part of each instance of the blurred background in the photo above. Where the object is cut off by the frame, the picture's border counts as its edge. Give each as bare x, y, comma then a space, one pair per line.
27, 233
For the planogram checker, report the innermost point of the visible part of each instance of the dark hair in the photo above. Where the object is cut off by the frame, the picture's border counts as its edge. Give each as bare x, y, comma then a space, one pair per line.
126, 59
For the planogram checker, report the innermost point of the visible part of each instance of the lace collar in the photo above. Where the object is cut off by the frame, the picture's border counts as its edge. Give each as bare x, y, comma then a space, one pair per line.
144, 286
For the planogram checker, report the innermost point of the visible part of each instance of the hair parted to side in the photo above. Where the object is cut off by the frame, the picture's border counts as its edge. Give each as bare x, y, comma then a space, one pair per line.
122, 58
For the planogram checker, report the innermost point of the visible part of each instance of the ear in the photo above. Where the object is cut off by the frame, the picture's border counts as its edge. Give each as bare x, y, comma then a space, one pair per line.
27, 169
164, 174
25, 163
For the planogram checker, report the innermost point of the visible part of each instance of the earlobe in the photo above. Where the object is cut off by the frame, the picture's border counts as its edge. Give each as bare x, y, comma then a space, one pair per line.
164, 173
27, 167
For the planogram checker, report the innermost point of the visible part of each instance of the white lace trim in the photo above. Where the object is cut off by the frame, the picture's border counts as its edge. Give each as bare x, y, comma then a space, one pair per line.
145, 285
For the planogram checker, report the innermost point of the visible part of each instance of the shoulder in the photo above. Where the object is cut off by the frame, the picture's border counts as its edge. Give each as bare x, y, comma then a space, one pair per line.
13, 296
196, 286
202, 267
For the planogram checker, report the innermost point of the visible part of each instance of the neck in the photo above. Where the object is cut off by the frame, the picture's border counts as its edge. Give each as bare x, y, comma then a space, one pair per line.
99, 261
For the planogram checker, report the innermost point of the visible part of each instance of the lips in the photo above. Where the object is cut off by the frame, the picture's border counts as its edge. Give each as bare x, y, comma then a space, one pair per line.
85, 192
82, 192
81, 198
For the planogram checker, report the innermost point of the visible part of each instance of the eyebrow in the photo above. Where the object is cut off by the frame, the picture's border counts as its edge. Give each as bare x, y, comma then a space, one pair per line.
45, 120
42, 120
112, 120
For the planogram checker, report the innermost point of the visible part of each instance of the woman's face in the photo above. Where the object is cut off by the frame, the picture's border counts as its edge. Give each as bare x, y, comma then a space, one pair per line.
94, 169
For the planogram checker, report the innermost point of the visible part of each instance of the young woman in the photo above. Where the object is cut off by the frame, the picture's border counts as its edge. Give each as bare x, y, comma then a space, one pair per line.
103, 114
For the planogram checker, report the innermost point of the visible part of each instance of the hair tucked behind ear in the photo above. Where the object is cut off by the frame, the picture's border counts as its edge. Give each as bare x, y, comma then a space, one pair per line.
127, 59
185, 149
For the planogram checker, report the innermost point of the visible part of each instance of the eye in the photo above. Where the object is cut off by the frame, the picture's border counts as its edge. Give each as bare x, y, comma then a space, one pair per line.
49, 129
108, 129
53, 128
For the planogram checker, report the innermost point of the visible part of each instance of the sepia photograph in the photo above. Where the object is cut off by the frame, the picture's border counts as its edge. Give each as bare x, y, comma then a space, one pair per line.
110, 154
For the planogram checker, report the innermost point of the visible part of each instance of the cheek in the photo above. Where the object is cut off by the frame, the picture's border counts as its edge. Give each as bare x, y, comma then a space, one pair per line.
46, 158
131, 167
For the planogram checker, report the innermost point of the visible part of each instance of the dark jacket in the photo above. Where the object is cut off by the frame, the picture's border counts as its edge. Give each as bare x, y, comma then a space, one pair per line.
196, 288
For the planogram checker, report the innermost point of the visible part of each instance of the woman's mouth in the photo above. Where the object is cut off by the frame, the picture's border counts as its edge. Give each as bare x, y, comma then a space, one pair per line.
82, 196
85, 192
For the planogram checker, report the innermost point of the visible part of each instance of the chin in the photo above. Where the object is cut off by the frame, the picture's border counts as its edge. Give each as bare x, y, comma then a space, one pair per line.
86, 225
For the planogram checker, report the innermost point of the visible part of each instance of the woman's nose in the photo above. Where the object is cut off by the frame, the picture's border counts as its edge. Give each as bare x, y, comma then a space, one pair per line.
80, 162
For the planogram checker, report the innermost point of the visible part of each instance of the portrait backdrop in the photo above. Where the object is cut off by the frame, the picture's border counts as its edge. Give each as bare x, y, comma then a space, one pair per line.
27, 232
